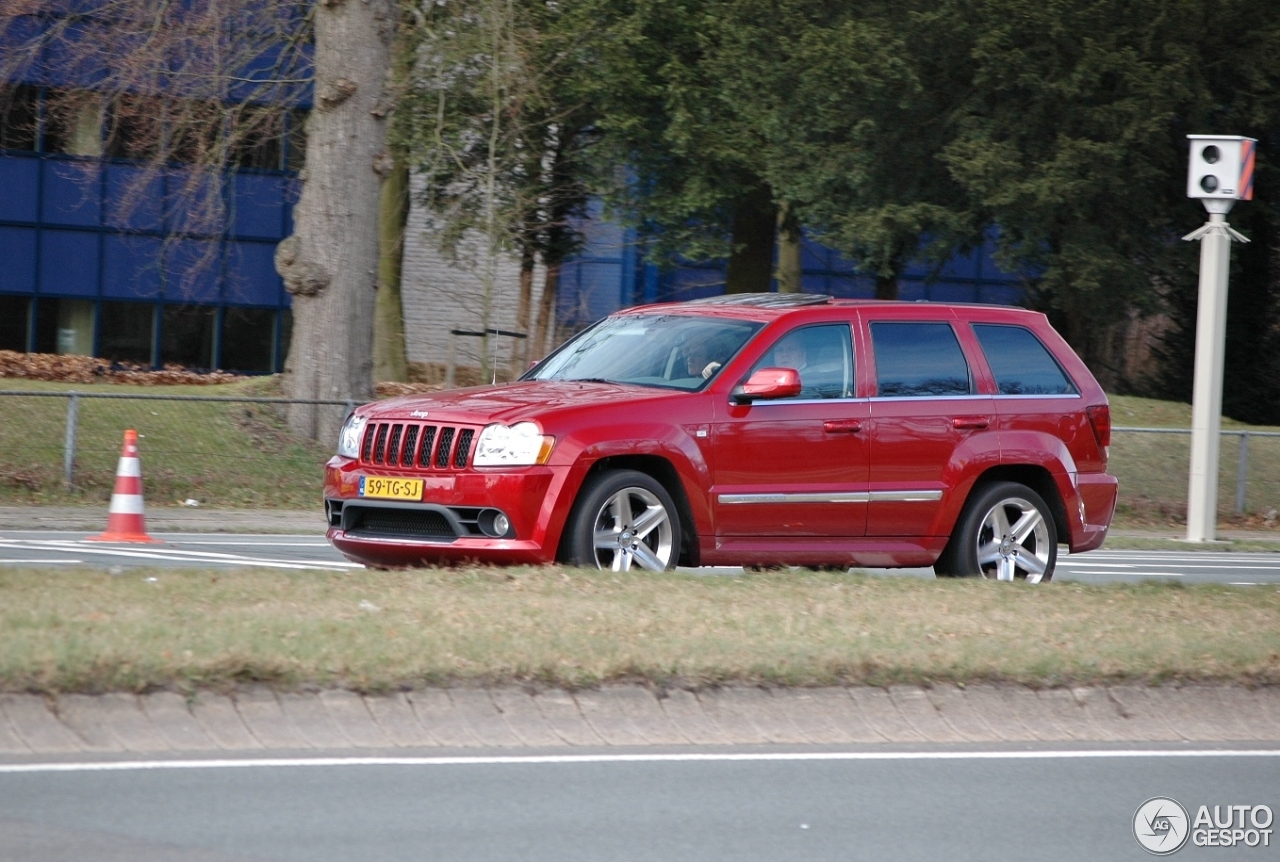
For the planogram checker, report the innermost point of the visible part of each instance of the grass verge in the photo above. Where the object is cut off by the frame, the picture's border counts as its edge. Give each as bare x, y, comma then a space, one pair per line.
91, 631
217, 453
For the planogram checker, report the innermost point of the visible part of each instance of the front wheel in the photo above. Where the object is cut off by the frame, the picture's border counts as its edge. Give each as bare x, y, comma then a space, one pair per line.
1006, 533
624, 519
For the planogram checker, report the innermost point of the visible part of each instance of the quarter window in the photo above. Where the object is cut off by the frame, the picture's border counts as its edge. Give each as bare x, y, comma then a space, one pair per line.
1022, 365
915, 359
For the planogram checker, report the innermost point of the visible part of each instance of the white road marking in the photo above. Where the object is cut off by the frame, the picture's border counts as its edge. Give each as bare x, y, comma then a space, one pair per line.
254, 544
175, 555
49, 560
1142, 574
573, 759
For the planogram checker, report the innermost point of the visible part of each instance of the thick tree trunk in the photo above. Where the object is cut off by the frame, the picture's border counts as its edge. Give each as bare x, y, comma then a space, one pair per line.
520, 349
887, 286
750, 267
330, 264
390, 361
790, 269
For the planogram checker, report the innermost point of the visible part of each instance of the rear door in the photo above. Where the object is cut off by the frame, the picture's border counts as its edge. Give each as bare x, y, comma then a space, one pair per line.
925, 406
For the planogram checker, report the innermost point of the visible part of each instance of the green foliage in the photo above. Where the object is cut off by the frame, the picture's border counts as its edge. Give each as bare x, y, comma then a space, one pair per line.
493, 121
1071, 134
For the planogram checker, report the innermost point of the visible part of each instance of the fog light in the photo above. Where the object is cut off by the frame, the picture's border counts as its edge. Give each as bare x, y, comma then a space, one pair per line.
494, 524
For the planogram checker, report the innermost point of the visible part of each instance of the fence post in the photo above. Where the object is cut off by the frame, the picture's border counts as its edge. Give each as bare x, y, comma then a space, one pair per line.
1242, 471
69, 442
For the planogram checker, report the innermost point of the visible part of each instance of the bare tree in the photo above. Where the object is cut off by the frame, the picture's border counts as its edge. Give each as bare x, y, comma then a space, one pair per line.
497, 127
330, 263
190, 88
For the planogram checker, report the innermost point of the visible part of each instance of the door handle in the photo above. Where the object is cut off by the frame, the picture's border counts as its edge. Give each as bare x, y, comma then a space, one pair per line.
842, 426
970, 422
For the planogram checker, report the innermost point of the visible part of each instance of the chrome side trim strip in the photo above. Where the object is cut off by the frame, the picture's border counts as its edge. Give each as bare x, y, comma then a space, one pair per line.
849, 497
922, 496
905, 496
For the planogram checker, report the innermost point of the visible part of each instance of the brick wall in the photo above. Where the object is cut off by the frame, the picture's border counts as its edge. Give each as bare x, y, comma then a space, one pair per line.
440, 295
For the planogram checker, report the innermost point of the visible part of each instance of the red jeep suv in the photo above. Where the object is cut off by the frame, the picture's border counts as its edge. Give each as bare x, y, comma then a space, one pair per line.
759, 429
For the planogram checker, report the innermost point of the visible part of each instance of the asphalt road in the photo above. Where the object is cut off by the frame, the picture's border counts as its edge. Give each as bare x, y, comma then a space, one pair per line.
52, 548
706, 805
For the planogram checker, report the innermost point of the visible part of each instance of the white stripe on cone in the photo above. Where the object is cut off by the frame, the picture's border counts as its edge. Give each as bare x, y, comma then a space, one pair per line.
125, 504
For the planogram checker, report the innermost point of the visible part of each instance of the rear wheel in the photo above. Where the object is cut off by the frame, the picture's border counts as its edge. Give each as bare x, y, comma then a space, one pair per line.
624, 519
1006, 533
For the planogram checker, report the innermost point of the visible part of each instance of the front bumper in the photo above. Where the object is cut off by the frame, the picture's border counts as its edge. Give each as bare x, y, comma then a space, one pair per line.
455, 521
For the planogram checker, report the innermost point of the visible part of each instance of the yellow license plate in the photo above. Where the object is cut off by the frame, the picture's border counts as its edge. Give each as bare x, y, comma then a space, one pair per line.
390, 489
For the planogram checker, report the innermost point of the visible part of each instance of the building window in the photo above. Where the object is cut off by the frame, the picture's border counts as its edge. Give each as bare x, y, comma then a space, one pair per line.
188, 335
248, 339
73, 123
65, 326
258, 139
128, 332
15, 312
18, 118
296, 154
136, 128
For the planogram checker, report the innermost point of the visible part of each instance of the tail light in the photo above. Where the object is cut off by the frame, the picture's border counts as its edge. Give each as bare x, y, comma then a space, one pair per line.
1100, 419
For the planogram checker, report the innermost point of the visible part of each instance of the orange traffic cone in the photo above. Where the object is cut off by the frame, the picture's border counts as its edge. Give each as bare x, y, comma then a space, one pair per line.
124, 519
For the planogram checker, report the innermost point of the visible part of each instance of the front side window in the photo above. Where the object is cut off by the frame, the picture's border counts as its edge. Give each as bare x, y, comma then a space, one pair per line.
919, 359
823, 355
1022, 365
675, 351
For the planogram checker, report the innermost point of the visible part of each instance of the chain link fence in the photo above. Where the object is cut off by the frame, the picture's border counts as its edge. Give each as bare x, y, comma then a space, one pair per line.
63, 447
59, 447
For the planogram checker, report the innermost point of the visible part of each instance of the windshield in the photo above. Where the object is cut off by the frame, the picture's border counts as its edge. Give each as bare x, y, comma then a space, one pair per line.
669, 350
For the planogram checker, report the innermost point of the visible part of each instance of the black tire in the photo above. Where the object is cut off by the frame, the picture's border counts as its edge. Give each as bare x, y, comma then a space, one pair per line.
976, 551
623, 518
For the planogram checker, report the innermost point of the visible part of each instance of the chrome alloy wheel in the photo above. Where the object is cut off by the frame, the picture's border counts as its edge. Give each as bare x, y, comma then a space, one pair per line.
1013, 542
633, 528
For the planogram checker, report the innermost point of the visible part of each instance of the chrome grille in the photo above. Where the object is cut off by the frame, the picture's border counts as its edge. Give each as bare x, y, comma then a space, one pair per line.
415, 444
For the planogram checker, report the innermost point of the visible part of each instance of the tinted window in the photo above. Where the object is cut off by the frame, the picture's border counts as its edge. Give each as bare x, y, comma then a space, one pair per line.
822, 354
919, 359
1020, 363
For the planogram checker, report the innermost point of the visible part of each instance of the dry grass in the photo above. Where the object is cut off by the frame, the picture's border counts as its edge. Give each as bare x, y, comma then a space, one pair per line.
91, 631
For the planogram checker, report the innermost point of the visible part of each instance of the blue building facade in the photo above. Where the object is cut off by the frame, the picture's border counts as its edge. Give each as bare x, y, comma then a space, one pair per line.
99, 258
610, 274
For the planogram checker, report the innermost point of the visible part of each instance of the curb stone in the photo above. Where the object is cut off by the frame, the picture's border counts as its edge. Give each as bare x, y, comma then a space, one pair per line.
630, 715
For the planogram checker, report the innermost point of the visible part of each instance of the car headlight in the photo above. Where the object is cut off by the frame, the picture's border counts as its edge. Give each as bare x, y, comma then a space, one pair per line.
349, 436
517, 445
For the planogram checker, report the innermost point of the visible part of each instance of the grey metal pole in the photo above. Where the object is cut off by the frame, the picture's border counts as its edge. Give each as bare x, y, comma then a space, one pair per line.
1242, 471
69, 442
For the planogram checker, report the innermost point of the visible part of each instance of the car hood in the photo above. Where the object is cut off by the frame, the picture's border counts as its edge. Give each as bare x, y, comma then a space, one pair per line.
538, 400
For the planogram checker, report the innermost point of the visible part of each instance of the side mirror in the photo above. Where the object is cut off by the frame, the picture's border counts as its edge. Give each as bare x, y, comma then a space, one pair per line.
767, 383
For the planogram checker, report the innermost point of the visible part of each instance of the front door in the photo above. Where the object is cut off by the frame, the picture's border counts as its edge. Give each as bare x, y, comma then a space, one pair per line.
796, 467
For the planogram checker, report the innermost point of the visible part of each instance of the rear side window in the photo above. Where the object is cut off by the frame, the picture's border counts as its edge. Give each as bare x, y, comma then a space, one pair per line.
1021, 364
919, 359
